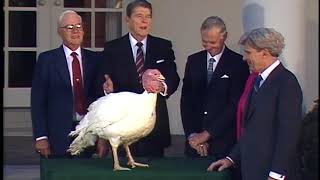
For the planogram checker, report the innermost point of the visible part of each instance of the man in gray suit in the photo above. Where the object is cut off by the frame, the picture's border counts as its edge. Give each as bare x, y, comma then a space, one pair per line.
267, 148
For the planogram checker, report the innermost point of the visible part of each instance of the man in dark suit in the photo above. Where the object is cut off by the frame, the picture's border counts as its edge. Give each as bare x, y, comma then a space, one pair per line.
267, 147
60, 95
213, 82
125, 61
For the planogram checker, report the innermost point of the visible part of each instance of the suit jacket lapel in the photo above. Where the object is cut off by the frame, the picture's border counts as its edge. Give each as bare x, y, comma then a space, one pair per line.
62, 66
202, 63
148, 54
127, 55
86, 70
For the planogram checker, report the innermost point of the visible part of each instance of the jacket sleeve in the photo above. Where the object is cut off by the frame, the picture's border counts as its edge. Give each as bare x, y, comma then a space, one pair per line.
186, 102
289, 119
169, 69
39, 98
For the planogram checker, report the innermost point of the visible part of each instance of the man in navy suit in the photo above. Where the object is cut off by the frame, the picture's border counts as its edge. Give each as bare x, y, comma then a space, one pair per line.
54, 114
267, 148
213, 82
121, 64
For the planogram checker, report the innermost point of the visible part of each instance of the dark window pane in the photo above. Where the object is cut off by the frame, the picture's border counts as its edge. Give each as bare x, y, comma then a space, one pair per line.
21, 65
22, 3
22, 29
77, 3
109, 3
108, 27
86, 20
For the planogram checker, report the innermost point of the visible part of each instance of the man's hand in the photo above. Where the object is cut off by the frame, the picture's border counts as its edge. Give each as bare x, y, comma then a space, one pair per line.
42, 146
108, 84
220, 165
152, 81
199, 138
102, 148
202, 149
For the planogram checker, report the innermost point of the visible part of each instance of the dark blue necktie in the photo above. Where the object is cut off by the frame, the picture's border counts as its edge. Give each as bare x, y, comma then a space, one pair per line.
256, 85
210, 69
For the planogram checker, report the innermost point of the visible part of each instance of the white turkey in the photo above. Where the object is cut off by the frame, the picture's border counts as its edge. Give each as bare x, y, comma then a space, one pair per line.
122, 118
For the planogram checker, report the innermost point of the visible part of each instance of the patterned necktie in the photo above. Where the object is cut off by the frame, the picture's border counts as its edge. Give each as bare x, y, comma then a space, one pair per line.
256, 85
210, 69
139, 59
77, 86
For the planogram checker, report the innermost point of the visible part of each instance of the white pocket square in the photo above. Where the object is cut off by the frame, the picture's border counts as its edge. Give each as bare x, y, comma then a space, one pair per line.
225, 76
160, 61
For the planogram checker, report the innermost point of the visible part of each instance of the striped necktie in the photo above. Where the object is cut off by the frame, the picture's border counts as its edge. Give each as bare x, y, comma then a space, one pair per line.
256, 85
139, 59
210, 69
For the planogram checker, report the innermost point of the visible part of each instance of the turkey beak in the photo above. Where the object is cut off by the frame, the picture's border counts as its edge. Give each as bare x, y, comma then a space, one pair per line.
161, 78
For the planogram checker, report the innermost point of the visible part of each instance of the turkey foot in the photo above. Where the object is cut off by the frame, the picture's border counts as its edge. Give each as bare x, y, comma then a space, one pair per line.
134, 164
131, 162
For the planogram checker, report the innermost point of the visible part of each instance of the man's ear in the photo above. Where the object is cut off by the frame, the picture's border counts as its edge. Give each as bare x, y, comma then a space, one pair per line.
126, 18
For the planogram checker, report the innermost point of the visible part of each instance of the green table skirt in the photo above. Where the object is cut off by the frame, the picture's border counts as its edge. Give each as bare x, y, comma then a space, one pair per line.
174, 168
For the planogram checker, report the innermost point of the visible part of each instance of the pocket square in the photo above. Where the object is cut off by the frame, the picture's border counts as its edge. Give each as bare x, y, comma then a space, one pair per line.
225, 76
160, 61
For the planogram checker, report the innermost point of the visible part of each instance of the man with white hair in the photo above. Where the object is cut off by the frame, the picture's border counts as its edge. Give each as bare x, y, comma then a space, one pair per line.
62, 90
272, 120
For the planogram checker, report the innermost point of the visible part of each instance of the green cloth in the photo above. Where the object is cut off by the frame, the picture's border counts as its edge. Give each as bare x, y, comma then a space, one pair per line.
174, 168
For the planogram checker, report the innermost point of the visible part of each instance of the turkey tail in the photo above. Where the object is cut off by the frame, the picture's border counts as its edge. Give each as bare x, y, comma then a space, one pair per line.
82, 124
83, 140
84, 137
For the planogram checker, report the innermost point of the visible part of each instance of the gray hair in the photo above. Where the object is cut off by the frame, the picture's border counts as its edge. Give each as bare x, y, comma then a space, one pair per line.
264, 38
65, 13
213, 21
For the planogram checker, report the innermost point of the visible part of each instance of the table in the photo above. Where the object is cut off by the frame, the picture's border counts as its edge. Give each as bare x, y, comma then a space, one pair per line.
172, 168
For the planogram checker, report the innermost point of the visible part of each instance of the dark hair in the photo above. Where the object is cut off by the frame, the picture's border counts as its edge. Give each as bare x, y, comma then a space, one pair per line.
138, 3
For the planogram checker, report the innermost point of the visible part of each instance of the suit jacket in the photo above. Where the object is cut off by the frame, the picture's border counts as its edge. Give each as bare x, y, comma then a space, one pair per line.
212, 107
52, 97
271, 128
120, 65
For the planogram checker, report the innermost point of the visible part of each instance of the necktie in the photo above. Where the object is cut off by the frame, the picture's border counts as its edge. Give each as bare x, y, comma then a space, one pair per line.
77, 86
256, 85
139, 59
210, 69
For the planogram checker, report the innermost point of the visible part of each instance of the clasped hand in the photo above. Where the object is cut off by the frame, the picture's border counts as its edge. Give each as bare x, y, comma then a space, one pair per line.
199, 142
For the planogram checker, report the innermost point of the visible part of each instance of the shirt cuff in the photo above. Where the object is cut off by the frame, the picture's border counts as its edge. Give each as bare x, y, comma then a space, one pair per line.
230, 159
164, 93
42, 137
277, 176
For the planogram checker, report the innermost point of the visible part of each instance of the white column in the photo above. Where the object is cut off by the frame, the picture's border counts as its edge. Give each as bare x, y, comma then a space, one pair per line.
288, 18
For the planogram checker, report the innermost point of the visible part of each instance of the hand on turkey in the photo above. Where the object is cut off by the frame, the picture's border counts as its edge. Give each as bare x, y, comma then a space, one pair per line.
108, 84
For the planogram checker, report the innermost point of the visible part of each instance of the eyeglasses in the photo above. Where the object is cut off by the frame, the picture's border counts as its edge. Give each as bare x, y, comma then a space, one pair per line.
72, 27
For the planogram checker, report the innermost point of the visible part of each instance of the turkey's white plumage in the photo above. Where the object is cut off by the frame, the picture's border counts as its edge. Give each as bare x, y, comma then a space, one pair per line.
122, 118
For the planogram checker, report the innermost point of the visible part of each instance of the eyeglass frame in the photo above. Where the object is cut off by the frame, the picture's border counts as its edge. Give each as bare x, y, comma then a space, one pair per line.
72, 27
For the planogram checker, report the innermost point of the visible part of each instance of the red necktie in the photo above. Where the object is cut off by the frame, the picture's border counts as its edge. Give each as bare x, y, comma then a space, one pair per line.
243, 101
139, 59
77, 86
